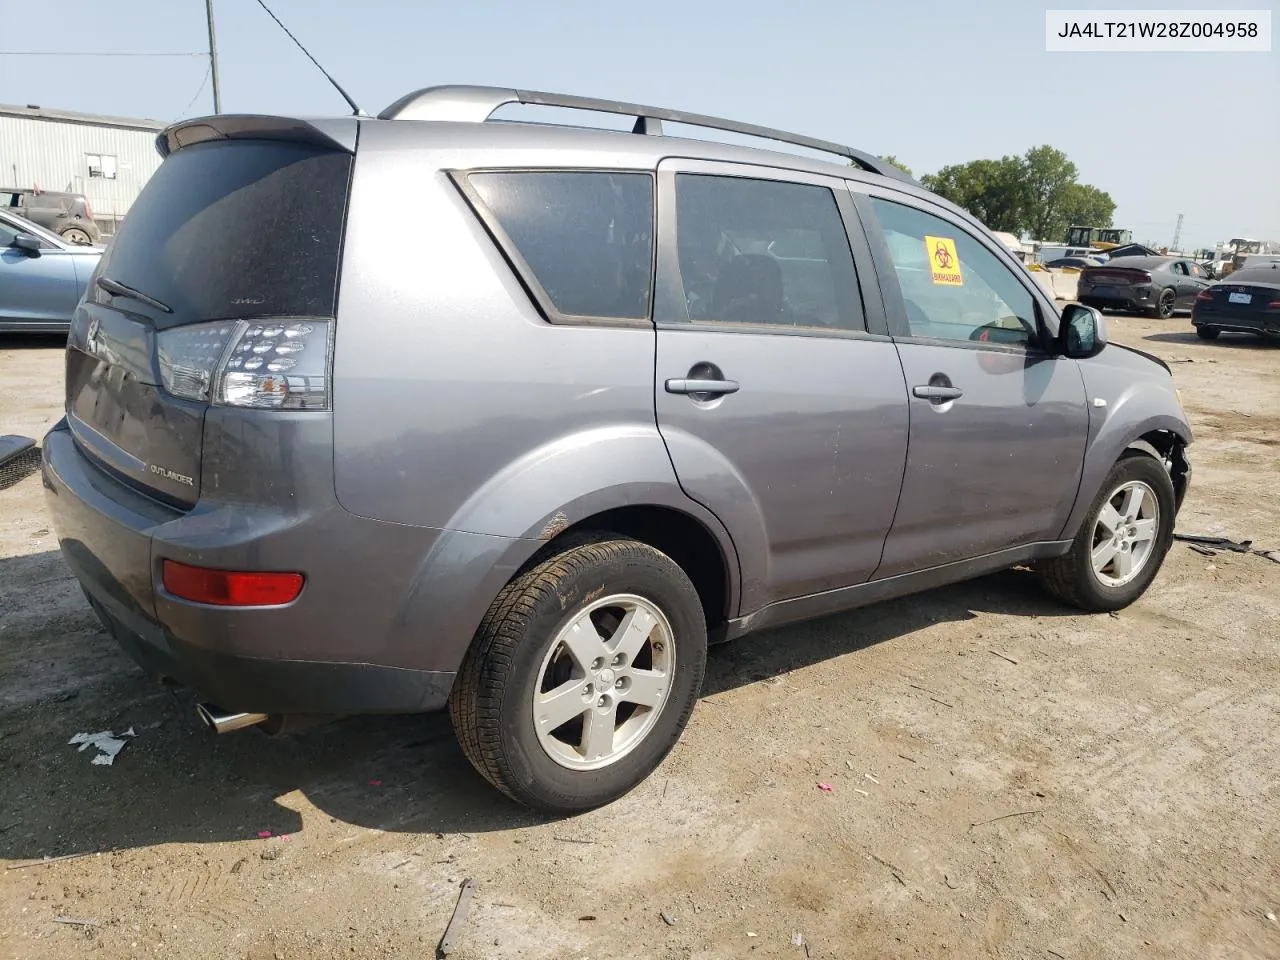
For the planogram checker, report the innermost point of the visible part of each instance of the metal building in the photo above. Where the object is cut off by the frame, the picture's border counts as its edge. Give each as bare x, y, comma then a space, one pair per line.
108, 159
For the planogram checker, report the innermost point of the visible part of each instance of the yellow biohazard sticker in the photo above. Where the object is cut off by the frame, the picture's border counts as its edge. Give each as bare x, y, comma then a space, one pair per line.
944, 263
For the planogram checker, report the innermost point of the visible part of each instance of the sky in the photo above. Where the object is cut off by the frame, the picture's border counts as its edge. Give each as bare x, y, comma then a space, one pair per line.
933, 83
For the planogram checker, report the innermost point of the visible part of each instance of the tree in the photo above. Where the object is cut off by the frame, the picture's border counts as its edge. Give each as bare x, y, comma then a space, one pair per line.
1088, 206
994, 191
1048, 177
890, 158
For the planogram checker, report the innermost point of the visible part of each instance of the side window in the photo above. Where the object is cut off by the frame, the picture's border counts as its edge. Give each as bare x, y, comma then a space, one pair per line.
7, 235
954, 287
1197, 271
764, 253
587, 238
1180, 268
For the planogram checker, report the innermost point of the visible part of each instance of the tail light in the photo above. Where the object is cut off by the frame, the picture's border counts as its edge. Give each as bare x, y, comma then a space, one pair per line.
270, 364
230, 588
1274, 305
1204, 295
88, 210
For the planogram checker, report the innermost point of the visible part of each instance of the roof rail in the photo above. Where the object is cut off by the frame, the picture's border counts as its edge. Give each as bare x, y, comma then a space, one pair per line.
475, 104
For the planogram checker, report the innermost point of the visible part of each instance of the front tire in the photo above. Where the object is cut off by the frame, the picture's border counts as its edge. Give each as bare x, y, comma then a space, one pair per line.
582, 675
1122, 542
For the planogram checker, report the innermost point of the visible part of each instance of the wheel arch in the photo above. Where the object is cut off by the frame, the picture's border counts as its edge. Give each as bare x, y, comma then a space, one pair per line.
710, 561
1163, 437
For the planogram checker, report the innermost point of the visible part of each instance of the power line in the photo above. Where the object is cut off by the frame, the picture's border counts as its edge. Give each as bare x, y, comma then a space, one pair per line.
199, 91
78, 53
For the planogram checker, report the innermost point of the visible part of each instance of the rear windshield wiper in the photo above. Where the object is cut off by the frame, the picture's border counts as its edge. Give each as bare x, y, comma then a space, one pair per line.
118, 289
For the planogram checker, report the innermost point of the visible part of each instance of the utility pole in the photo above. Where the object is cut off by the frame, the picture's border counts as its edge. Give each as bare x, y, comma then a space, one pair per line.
213, 58
1177, 231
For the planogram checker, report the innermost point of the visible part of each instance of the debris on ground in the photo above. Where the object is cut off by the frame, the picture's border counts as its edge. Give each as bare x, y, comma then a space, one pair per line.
1003, 656
1209, 546
668, 919
459, 918
109, 745
825, 787
797, 940
72, 921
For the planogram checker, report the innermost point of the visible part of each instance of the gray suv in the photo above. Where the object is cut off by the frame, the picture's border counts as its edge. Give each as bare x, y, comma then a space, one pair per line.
628, 395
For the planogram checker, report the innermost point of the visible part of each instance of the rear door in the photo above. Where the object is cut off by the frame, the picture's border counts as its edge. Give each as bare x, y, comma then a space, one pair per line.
779, 393
224, 231
998, 424
1191, 284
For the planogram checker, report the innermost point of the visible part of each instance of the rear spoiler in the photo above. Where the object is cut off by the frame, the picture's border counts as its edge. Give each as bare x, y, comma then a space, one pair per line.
336, 132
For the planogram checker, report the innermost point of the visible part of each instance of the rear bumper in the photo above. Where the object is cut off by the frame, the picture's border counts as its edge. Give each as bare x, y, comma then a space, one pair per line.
334, 650
1127, 300
1264, 324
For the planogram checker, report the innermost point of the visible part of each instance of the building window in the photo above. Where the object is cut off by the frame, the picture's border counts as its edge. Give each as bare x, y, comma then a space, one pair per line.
101, 165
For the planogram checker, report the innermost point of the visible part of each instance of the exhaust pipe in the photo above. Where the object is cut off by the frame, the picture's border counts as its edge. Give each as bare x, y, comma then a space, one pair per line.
222, 722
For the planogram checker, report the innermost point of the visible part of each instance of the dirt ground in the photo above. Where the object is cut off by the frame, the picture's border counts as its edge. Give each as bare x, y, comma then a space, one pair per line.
1008, 779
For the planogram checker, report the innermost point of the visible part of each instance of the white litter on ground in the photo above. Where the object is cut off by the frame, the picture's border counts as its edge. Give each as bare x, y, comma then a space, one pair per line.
108, 744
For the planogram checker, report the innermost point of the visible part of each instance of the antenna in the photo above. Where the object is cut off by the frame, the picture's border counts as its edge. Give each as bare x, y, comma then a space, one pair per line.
355, 109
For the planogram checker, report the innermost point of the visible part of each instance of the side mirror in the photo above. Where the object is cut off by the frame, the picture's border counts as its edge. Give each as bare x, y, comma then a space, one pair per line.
27, 243
1082, 332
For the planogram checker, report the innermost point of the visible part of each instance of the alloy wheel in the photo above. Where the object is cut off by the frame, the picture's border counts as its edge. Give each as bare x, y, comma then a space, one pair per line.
604, 682
1124, 537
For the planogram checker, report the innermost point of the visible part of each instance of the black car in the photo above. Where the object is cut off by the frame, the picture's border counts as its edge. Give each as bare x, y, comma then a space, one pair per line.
1246, 301
1156, 286
66, 214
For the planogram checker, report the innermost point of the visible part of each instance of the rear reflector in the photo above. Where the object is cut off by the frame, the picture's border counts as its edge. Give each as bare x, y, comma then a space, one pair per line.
228, 588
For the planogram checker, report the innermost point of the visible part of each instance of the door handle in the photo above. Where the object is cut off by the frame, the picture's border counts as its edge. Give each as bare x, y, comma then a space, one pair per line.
714, 387
937, 394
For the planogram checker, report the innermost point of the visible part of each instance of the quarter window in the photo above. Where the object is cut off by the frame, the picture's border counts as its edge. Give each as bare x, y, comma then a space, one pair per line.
954, 287
587, 238
764, 253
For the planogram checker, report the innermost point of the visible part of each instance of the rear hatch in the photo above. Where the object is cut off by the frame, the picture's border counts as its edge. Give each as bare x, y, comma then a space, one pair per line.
245, 228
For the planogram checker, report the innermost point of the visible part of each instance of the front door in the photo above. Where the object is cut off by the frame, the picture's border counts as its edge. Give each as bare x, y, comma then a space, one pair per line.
998, 423
783, 414
38, 288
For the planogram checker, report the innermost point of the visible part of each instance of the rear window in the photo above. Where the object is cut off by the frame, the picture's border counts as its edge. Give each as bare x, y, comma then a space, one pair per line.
236, 228
586, 238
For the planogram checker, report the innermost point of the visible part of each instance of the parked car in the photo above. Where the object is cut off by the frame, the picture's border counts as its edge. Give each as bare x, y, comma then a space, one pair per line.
1246, 301
42, 277
1073, 263
536, 457
66, 214
1158, 286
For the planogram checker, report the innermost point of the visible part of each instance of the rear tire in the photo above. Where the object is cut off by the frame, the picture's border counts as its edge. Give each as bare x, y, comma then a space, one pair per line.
1165, 304
606, 640
1075, 578
1207, 333
79, 233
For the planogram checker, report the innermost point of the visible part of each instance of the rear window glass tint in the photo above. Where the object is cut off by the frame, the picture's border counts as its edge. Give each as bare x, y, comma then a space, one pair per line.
237, 228
586, 238
765, 252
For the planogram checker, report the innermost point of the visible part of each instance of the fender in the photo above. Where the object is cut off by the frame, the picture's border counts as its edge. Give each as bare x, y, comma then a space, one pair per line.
1107, 443
513, 515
